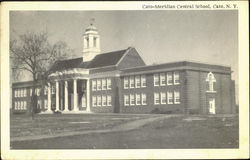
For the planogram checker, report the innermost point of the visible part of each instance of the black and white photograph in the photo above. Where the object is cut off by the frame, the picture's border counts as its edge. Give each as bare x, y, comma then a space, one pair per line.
124, 79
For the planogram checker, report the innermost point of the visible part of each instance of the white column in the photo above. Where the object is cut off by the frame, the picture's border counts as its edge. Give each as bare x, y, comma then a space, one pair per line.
57, 96
88, 96
49, 98
75, 95
66, 96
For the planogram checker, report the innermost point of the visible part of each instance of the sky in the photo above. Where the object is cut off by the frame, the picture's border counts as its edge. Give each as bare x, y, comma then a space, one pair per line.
159, 36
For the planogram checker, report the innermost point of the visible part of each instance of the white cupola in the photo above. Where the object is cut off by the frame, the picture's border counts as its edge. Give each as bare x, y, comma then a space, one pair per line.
91, 43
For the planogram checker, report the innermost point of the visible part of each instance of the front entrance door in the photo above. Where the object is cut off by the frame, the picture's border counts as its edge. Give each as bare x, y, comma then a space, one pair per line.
212, 105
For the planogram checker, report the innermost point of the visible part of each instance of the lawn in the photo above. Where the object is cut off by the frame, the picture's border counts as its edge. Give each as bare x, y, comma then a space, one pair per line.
220, 131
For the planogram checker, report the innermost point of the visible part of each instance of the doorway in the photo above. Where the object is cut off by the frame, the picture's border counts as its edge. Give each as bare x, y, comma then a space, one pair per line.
211, 105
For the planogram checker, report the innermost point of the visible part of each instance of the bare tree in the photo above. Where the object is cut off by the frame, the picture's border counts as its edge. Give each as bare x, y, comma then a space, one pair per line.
34, 54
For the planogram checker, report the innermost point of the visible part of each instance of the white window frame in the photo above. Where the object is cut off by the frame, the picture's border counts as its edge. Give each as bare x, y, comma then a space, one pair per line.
126, 100
99, 85
143, 81
25, 105
163, 98
176, 77
104, 84
132, 99
99, 101
170, 97
211, 80
144, 99
169, 77
156, 79
94, 101
137, 81
137, 99
162, 79
177, 96
131, 82
109, 100
104, 100
94, 85
156, 97
109, 85
125, 83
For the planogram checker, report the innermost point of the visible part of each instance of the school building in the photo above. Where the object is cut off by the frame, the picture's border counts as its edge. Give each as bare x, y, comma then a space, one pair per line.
120, 82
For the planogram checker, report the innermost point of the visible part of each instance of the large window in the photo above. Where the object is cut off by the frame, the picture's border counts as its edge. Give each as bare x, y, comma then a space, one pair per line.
104, 100
108, 83
176, 78
94, 101
99, 87
131, 82
104, 84
162, 79
25, 105
109, 100
93, 85
137, 82
176, 97
99, 100
170, 97
156, 79
126, 100
144, 99
15, 92
125, 82
132, 99
211, 80
156, 98
143, 81
138, 99
163, 98
169, 78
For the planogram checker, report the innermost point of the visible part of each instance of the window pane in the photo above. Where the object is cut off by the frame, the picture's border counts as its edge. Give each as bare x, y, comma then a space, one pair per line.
163, 98
176, 78
109, 100
93, 85
108, 83
137, 81
156, 98
132, 99
104, 85
144, 99
99, 85
132, 82
156, 79
138, 99
143, 81
104, 101
163, 79
169, 78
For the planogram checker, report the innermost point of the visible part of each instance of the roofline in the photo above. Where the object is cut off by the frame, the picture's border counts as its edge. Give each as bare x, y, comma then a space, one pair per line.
188, 61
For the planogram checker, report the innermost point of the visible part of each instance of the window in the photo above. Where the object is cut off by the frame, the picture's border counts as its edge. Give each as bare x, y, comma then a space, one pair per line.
18, 105
137, 82
38, 92
104, 100
126, 100
169, 78
144, 99
99, 100
21, 105
211, 80
176, 97
132, 99
108, 83
18, 92
170, 98
95, 41
25, 105
39, 103
30, 91
94, 101
138, 99
156, 79
156, 98
99, 85
143, 81
24, 92
15, 92
15, 105
132, 82
87, 40
21, 90
163, 79
125, 82
45, 103
109, 100
176, 78
163, 98
104, 84
93, 85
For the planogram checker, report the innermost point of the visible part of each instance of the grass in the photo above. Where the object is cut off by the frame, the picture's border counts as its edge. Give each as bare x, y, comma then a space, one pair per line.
177, 132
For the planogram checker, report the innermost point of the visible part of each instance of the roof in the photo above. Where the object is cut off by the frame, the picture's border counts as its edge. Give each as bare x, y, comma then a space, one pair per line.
101, 60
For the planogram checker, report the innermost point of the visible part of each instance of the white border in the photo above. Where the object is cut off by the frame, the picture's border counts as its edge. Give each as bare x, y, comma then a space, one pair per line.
242, 152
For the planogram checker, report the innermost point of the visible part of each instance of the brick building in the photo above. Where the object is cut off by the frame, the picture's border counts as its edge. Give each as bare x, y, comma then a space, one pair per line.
120, 82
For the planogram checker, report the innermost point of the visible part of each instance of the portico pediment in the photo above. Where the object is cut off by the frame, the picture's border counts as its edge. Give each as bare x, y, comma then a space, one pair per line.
71, 73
